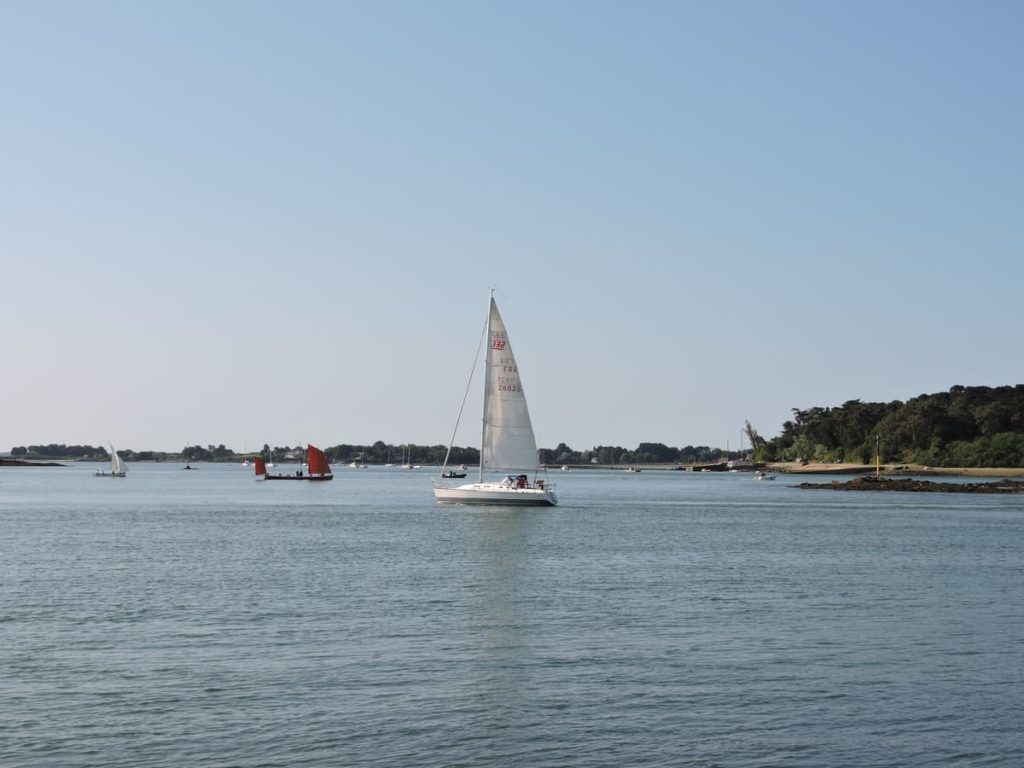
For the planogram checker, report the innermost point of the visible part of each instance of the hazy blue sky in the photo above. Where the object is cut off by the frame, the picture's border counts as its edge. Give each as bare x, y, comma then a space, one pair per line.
249, 222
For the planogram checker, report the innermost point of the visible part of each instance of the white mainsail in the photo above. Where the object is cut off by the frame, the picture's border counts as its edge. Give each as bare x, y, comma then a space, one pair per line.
117, 465
508, 442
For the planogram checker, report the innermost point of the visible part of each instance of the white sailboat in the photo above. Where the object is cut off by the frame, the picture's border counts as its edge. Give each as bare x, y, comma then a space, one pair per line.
117, 466
507, 442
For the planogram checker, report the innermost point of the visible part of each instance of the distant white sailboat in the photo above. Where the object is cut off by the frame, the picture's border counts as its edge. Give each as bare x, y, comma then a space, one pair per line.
507, 441
117, 466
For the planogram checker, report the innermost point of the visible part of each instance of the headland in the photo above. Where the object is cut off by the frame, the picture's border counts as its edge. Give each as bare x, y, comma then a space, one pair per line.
4, 462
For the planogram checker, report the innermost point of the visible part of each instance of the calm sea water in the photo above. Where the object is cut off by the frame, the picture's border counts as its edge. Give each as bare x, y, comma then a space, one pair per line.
201, 619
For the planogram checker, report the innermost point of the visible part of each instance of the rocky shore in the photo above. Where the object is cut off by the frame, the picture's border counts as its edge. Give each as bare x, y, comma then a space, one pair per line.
917, 486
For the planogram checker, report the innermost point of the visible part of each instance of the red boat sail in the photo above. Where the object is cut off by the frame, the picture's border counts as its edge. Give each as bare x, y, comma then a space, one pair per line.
317, 468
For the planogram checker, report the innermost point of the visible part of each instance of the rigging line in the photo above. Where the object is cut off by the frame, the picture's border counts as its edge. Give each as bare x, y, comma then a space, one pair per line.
465, 395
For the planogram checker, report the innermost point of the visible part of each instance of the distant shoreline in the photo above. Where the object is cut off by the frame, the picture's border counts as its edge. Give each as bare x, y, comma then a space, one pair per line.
22, 463
789, 468
796, 468
894, 469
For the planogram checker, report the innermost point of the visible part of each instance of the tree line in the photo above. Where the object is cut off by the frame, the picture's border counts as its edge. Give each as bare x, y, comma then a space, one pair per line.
383, 453
964, 427
644, 453
59, 451
376, 453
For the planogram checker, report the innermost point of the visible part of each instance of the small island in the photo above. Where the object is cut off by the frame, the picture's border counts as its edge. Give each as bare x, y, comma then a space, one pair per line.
908, 484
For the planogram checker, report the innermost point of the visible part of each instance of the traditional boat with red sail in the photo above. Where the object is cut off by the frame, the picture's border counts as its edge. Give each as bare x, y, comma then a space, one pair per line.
317, 468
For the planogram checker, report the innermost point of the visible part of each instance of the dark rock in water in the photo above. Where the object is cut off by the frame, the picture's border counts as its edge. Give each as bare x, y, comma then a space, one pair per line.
918, 486
23, 463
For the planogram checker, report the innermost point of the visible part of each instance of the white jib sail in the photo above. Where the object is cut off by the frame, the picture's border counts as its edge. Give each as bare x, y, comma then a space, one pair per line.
508, 442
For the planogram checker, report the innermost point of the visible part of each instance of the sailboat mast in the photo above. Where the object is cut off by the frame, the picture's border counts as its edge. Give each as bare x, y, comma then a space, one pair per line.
487, 382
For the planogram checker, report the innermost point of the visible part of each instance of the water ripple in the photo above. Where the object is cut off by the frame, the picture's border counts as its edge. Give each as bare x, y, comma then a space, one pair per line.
671, 621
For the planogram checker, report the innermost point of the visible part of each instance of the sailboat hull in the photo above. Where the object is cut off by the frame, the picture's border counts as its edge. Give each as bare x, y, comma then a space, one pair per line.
496, 494
298, 477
